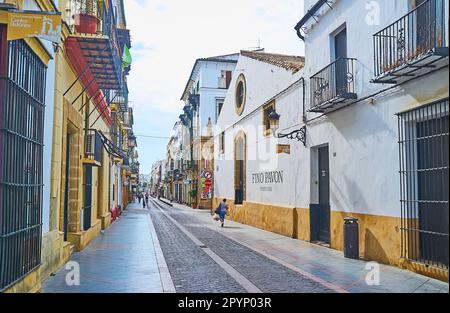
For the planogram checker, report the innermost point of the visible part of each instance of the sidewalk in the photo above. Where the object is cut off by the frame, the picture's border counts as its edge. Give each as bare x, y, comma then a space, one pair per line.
126, 258
319, 262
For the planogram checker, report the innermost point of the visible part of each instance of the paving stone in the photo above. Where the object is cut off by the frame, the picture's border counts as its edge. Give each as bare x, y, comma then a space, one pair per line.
268, 275
192, 270
121, 260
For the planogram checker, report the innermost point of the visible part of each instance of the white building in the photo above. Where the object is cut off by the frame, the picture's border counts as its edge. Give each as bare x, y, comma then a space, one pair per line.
244, 150
203, 96
376, 134
157, 176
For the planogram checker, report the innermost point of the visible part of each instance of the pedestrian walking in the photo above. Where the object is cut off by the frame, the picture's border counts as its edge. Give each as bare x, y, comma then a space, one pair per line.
146, 197
139, 197
143, 201
222, 211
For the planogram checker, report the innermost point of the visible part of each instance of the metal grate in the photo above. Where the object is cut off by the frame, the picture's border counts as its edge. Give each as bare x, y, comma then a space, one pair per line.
424, 183
21, 145
422, 30
333, 84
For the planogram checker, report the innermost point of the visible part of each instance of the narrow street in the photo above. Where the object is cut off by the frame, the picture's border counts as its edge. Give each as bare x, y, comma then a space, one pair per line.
166, 248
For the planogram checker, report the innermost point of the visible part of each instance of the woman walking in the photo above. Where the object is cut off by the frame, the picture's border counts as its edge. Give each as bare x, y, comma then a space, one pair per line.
222, 210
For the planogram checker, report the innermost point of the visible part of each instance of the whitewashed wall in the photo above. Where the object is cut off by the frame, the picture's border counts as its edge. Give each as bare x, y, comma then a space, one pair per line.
263, 81
362, 138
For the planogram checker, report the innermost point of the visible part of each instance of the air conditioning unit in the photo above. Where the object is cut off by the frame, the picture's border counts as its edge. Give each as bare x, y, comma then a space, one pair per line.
93, 146
89, 147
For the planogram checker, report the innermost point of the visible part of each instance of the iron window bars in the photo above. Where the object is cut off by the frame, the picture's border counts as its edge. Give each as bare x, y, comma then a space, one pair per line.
333, 85
22, 95
424, 183
413, 44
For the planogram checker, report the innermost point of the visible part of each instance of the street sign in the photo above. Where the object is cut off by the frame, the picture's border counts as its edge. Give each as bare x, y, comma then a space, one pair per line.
25, 24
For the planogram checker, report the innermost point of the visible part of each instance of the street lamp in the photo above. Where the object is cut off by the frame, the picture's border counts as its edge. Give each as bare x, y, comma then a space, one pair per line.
274, 123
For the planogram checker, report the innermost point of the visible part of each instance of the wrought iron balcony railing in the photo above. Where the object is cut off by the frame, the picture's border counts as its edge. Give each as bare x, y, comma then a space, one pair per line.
413, 45
93, 23
332, 86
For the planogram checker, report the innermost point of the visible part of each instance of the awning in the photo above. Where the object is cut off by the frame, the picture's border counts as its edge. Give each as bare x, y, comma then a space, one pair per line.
80, 65
103, 59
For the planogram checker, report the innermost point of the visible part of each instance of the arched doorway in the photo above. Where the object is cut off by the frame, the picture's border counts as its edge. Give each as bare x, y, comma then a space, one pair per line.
239, 167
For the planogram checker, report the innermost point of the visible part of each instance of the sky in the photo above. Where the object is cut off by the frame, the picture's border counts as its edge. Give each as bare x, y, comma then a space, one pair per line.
169, 35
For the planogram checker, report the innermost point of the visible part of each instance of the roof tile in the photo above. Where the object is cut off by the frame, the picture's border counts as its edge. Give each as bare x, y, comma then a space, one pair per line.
292, 63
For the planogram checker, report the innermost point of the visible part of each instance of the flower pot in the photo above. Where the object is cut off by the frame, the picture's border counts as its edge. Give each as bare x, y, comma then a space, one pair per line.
86, 23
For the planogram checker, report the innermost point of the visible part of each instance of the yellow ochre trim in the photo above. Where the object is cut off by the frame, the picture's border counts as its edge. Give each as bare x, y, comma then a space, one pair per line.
379, 236
37, 47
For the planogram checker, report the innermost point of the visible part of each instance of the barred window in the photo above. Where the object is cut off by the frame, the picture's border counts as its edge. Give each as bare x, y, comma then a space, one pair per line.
22, 94
424, 182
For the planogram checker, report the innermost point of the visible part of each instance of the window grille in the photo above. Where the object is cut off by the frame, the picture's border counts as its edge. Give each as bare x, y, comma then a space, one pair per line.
424, 183
21, 144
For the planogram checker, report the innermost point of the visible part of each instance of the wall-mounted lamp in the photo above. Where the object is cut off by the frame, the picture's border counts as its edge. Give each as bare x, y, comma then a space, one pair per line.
274, 122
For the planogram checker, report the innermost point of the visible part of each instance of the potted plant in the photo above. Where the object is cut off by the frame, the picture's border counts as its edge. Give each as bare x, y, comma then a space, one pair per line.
86, 20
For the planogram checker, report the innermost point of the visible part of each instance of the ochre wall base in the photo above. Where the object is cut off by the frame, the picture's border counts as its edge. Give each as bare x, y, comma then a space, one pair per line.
81, 239
55, 253
379, 236
419, 268
106, 221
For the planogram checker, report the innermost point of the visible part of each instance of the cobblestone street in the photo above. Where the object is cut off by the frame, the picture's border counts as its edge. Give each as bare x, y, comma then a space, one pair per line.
165, 248
193, 271
265, 274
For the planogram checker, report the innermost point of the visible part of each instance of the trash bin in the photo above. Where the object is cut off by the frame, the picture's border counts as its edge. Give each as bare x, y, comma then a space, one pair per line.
351, 238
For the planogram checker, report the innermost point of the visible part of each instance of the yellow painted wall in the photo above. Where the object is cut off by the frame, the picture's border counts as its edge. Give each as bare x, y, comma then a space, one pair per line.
69, 117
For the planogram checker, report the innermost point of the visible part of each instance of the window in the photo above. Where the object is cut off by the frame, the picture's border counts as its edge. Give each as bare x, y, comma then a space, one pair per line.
241, 90
225, 79
219, 106
424, 182
22, 108
267, 109
222, 143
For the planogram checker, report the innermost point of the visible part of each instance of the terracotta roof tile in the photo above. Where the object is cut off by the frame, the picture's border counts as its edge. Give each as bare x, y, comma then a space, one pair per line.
289, 62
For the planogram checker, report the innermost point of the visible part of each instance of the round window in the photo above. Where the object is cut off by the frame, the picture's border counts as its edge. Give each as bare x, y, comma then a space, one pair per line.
240, 94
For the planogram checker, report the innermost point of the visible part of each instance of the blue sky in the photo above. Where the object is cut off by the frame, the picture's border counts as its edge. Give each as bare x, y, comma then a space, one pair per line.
169, 35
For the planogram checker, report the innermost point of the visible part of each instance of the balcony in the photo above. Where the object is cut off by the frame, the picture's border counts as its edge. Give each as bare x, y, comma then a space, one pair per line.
93, 148
333, 86
94, 43
120, 97
414, 45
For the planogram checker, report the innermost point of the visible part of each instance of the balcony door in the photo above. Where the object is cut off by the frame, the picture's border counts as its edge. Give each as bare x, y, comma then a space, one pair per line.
424, 14
340, 52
